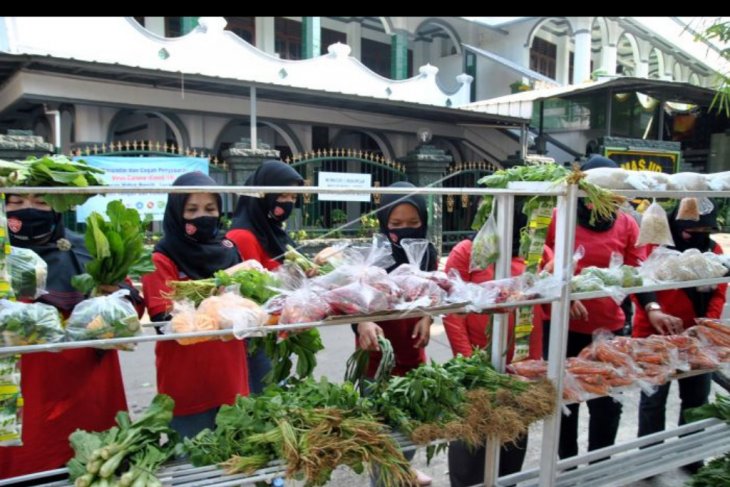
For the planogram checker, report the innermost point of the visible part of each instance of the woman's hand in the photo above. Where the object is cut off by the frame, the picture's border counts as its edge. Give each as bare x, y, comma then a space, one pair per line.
324, 255
422, 332
578, 311
665, 324
250, 264
368, 333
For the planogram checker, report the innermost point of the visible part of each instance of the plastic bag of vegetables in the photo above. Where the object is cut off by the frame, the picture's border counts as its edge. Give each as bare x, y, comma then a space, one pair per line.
668, 265
231, 311
30, 324
28, 273
655, 227
485, 248
103, 317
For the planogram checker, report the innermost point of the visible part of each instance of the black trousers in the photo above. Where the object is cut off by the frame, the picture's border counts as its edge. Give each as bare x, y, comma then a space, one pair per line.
466, 465
693, 392
605, 413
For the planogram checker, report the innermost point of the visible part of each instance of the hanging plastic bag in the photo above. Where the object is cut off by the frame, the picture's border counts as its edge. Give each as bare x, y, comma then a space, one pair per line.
689, 209
485, 247
28, 273
706, 206
30, 324
655, 227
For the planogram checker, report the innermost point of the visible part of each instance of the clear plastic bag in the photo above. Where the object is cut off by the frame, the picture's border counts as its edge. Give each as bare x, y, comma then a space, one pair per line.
111, 316
11, 402
485, 247
689, 209
356, 299
611, 280
719, 181
687, 181
603, 349
610, 178
655, 227
30, 324
360, 264
648, 180
475, 296
418, 291
28, 273
231, 311
668, 265
305, 305
186, 320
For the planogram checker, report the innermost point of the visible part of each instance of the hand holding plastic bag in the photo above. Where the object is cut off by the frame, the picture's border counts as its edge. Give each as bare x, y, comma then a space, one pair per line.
485, 248
111, 316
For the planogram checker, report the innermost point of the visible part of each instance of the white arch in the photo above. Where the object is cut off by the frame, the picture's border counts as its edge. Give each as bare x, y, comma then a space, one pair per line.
290, 139
536, 28
387, 24
450, 31
694, 79
659, 60
634, 48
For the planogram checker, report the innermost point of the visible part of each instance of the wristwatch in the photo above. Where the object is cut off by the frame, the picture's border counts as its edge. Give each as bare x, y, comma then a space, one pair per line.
652, 307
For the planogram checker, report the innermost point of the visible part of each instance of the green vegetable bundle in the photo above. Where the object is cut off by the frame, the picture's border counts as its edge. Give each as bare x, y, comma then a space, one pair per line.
28, 273
304, 344
52, 171
258, 286
127, 454
30, 324
357, 364
115, 247
314, 426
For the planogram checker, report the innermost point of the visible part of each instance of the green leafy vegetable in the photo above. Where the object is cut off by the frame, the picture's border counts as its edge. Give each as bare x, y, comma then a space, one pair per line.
115, 246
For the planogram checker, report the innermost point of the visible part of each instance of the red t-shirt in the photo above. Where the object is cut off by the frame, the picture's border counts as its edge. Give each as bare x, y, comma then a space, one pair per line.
598, 247
466, 331
676, 303
250, 248
198, 377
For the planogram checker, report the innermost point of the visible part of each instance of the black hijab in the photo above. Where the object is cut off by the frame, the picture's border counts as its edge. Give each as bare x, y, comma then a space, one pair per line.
584, 213
253, 213
197, 260
388, 203
701, 241
66, 256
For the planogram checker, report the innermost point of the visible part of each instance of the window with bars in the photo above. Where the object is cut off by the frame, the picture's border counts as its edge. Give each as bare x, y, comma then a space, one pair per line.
543, 56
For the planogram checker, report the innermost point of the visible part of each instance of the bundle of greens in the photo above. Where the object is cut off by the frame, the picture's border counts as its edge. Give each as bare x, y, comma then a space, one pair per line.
115, 246
253, 284
716, 472
314, 426
30, 324
304, 344
53, 171
128, 453
300, 260
28, 273
466, 399
357, 364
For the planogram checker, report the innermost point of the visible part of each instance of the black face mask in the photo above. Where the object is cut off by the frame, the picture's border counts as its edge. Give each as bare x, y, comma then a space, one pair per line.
696, 240
280, 211
396, 235
31, 225
202, 229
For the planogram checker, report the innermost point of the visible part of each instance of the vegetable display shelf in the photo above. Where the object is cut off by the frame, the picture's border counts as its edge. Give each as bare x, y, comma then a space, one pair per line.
629, 461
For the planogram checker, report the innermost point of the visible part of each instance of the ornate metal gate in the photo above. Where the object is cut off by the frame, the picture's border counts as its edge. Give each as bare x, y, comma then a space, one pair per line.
459, 211
342, 218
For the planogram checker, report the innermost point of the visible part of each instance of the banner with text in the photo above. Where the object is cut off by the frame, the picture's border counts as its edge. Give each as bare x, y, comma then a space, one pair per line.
138, 171
344, 180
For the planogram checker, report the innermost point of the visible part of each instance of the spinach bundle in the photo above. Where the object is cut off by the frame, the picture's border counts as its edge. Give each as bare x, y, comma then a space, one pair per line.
53, 171
115, 247
128, 453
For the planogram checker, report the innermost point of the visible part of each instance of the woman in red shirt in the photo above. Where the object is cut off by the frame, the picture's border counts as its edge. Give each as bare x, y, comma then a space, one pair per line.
465, 332
401, 216
673, 311
258, 232
80, 388
599, 240
200, 377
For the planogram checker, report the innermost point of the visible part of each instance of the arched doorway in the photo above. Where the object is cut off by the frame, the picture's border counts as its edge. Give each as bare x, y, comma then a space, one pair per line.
146, 125
546, 44
276, 136
627, 55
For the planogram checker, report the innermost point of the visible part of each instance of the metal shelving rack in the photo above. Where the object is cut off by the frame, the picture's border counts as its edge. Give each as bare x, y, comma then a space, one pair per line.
709, 437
